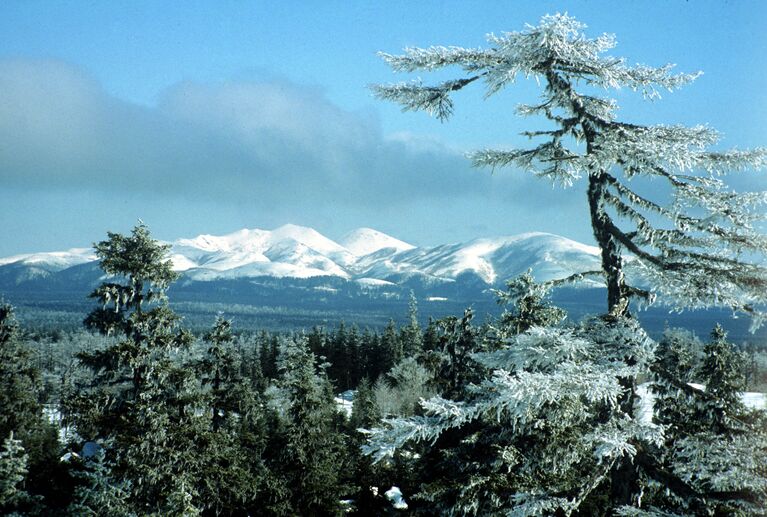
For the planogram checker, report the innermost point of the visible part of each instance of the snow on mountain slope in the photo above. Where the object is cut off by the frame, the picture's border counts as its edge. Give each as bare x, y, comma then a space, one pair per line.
53, 261
493, 260
314, 240
364, 241
256, 269
365, 255
296, 245
290, 251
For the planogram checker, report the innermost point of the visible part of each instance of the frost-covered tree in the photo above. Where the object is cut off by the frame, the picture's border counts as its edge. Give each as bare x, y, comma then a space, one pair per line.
454, 367
220, 372
722, 374
716, 448
13, 472
398, 392
529, 306
141, 398
543, 433
692, 241
411, 335
676, 363
700, 249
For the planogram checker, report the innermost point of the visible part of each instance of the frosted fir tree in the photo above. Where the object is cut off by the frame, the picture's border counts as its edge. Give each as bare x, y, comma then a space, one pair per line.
700, 249
562, 402
530, 306
138, 398
717, 449
542, 433
677, 359
13, 471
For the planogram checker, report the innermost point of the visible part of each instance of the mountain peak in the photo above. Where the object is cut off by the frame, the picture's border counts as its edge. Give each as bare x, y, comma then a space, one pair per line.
364, 241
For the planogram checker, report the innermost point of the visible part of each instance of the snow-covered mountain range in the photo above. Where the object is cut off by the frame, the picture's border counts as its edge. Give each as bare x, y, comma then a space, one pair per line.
365, 256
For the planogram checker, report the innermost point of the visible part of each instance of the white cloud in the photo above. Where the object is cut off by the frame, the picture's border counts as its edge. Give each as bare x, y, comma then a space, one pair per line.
222, 141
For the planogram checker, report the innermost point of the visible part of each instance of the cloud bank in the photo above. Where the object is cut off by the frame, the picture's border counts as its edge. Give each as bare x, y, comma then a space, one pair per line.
76, 161
272, 140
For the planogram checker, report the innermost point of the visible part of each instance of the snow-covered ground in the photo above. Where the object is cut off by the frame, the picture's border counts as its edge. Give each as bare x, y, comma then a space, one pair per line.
752, 400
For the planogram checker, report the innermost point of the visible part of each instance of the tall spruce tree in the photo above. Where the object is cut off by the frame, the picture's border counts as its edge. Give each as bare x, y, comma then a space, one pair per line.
312, 456
139, 402
233, 474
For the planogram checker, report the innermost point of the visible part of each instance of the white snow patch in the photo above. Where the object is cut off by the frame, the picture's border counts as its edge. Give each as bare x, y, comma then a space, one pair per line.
345, 402
394, 494
374, 282
752, 400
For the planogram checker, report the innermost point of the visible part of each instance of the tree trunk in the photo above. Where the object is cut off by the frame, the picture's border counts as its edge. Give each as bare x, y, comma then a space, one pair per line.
612, 263
623, 477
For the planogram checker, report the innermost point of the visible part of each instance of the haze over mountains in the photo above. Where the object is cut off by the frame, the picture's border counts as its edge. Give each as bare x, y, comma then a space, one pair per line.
365, 256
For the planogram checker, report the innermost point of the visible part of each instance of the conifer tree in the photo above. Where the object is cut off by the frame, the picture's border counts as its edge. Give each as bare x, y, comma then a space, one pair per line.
694, 250
391, 346
717, 450
311, 459
220, 372
353, 360
722, 374
19, 379
542, 434
13, 472
457, 340
411, 335
430, 339
675, 365
702, 249
141, 401
233, 474
100, 493
268, 354
530, 307
21, 412
365, 413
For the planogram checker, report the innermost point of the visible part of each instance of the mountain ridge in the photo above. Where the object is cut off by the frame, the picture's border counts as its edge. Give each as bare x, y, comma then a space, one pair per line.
292, 251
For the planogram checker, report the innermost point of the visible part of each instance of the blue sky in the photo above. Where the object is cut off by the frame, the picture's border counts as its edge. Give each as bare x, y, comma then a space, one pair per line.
207, 117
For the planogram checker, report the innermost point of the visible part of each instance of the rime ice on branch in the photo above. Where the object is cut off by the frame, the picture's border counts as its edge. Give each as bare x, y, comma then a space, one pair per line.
701, 249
